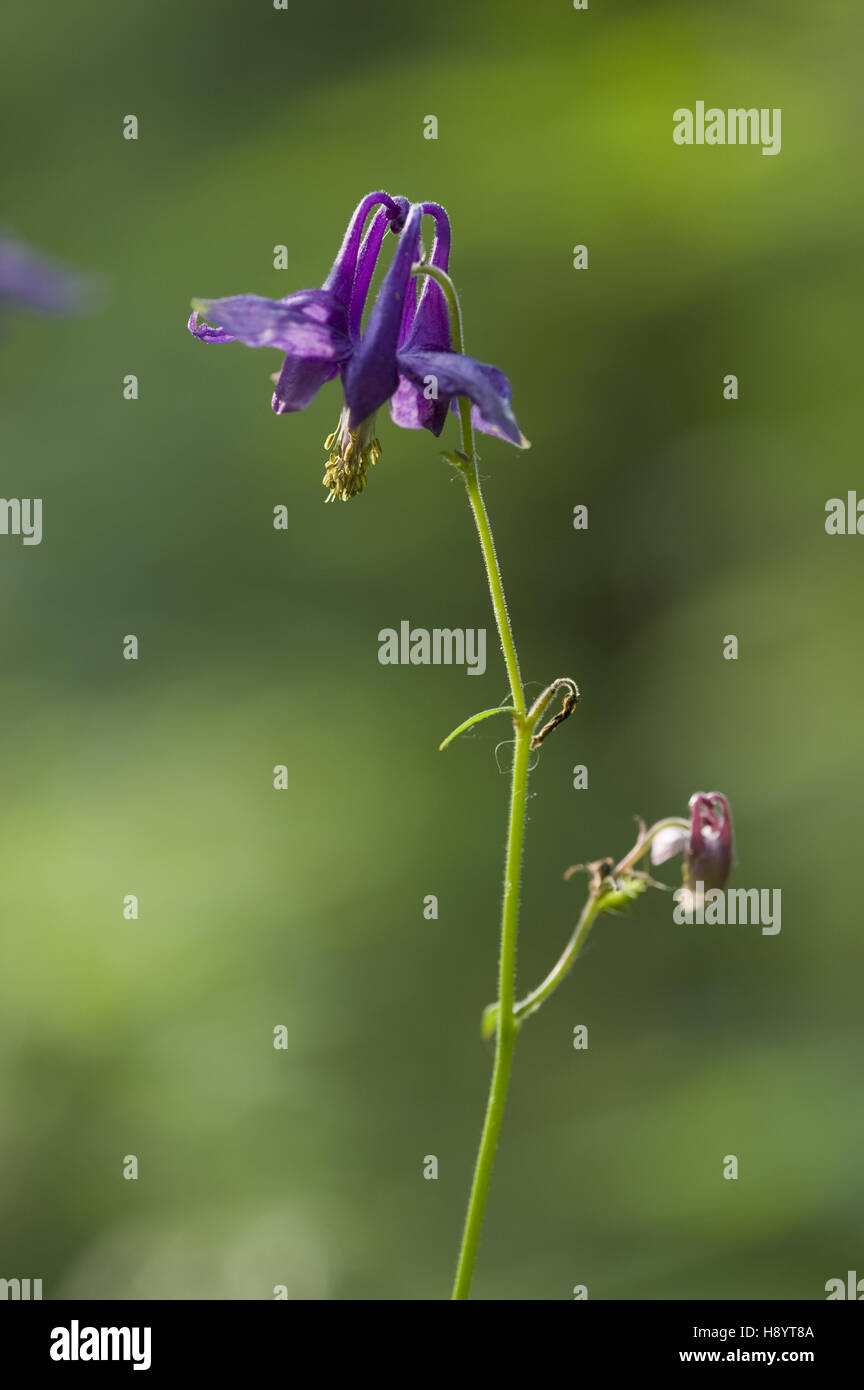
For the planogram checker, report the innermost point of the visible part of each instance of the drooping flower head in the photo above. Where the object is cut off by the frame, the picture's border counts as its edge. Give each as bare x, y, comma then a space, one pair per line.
706, 845
30, 282
403, 354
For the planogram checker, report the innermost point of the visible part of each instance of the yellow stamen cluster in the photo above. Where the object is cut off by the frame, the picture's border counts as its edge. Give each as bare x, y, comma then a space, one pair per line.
350, 456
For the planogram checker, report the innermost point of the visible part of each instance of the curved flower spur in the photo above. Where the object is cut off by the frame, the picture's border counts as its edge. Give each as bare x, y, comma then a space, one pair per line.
405, 354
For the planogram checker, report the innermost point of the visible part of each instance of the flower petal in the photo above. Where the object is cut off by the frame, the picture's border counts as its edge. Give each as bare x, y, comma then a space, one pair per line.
206, 333
668, 842
709, 853
425, 325
371, 376
456, 375
299, 381
429, 326
367, 260
309, 324
410, 409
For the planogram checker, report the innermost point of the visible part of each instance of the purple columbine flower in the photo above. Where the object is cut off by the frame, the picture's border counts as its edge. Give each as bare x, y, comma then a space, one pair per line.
319, 331
38, 285
706, 845
403, 346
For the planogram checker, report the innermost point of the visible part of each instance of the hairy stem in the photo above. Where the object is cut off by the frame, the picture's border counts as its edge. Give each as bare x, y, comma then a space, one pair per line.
593, 907
496, 590
505, 1036
475, 497
597, 902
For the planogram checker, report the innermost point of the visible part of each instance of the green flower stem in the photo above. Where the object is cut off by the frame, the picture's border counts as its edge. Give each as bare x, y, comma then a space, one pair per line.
505, 1035
643, 843
596, 904
590, 912
475, 497
496, 589
507, 1027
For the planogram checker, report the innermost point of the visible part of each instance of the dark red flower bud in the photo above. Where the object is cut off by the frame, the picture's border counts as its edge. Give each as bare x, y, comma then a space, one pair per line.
706, 845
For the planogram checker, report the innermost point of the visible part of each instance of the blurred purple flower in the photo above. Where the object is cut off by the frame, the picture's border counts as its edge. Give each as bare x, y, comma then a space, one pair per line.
706, 845
40, 286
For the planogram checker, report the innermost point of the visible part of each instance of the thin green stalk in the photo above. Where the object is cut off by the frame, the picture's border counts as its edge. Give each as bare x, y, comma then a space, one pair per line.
507, 1026
596, 903
593, 907
478, 506
643, 844
475, 496
509, 1014
505, 1036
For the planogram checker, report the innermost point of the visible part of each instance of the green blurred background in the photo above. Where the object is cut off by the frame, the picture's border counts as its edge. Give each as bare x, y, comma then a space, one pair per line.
304, 907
